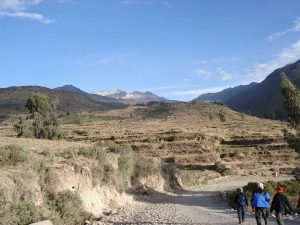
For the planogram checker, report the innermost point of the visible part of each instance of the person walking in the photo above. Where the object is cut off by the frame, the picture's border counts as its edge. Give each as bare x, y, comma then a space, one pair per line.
260, 202
280, 203
241, 201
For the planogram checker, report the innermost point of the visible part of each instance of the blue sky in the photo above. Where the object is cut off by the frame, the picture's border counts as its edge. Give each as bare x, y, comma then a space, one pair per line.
174, 48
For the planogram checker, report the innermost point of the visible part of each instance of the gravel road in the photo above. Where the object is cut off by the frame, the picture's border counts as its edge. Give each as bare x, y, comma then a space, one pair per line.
201, 206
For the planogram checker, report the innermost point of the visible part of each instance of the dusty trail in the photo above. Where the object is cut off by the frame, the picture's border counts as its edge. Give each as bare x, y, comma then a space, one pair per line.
197, 207
203, 206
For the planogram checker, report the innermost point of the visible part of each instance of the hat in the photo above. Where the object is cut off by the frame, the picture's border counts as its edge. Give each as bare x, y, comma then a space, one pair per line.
261, 185
280, 189
240, 189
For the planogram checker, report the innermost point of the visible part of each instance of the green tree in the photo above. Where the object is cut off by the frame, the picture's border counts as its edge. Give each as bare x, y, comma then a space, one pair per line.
42, 121
292, 106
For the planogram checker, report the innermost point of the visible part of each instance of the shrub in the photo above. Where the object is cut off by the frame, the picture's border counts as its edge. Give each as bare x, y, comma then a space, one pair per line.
12, 155
80, 132
20, 213
126, 162
42, 121
145, 166
70, 153
23, 128
222, 116
69, 207
125, 170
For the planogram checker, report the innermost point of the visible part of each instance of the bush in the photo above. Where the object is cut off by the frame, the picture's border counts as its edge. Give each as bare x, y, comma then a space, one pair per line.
42, 121
126, 163
20, 214
222, 116
125, 170
81, 132
69, 207
145, 166
70, 153
12, 155
24, 128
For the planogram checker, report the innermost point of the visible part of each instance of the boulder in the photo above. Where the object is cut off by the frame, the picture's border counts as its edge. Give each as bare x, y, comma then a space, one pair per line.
45, 222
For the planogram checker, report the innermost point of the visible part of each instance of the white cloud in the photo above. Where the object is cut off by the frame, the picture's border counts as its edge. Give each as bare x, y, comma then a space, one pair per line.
295, 28
25, 15
288, 55
17, 5
203, 73
196, 92
65, 1
136, 2
18, 9
226, 75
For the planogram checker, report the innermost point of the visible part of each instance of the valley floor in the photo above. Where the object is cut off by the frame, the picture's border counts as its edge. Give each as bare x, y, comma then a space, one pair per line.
201, 206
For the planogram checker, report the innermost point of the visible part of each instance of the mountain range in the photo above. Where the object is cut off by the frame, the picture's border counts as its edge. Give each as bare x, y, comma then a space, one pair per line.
71, 98
13, 99
262, 99
134, 97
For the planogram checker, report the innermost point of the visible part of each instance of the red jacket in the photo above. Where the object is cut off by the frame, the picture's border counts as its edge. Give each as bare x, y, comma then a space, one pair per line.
298, 205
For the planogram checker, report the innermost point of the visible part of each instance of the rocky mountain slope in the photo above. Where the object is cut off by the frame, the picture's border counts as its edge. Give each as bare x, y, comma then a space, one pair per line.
71, 88
226, 94
13, 99
134, 97
250, 98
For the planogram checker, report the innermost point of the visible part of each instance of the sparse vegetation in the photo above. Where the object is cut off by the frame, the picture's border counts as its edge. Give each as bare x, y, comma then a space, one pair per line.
222, 116
12, 155
69, 208
80, 119
22, 213
127, 156
145, 166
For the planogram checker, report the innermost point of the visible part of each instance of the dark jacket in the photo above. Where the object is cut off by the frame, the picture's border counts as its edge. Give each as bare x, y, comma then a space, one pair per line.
241, 199
260, 199
280, 203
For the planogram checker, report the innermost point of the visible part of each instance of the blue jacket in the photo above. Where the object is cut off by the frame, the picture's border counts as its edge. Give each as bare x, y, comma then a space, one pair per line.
260, 199
241, 199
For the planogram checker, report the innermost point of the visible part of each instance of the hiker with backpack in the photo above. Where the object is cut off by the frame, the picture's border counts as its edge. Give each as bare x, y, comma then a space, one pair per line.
260, 202
280, 203
241, 201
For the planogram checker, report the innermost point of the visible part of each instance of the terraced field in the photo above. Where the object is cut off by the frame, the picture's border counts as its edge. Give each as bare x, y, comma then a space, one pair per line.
190, 135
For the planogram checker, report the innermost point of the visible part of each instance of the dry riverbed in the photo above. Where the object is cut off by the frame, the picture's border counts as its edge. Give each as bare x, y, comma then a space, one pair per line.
201, 206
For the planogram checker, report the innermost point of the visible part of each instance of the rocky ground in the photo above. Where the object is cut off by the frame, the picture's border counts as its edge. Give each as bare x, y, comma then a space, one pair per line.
201, 206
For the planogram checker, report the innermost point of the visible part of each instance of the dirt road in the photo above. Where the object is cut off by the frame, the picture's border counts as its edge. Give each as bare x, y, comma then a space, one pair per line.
201, 206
